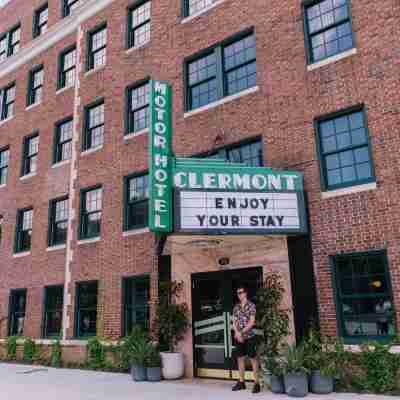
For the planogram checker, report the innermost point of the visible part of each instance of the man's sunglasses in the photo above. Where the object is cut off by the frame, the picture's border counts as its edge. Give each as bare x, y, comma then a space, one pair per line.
241, 291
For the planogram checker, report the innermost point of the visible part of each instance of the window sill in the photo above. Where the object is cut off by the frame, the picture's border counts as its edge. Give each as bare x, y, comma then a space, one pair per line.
90, 151
22, 254
134, 48
133, 135
201, 12
332, 59
355, 348
349, 190
56, 248
3, 185
61, 163
134, 232
33, 106
93, 71
28, 176
88, 241
64, 89
222, 101
2, 122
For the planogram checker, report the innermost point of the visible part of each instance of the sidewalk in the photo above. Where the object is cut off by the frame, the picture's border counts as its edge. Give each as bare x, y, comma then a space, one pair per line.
19, 382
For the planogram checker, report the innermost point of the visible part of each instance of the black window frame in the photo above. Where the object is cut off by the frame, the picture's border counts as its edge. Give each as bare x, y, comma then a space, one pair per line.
61, 81
53, 222
82, 234
128, 307
11, 310
130, 43
129, 113
37, 25
58, 144
32, 89
90, 52
307, 35
321, 154
87, 129
186, 8
26, 167
5, 166
47, 310
78, 309
4, 104
127, 204
67, 9
338, 296
220, 72
10, 46
19, 246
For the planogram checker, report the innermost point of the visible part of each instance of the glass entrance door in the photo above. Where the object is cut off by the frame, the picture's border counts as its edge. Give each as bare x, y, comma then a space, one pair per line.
214, 296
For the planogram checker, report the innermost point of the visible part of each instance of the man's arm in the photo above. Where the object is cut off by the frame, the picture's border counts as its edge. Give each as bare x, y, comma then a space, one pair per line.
250, 324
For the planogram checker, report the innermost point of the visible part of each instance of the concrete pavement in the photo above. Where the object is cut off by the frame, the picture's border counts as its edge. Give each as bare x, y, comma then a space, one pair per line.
19, 382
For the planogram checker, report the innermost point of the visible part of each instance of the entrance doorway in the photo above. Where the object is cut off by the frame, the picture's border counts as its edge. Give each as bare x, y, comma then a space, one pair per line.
213, 299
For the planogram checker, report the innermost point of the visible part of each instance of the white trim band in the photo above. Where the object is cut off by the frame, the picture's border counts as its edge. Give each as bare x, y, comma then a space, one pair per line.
135, 232
332, 59
348, 190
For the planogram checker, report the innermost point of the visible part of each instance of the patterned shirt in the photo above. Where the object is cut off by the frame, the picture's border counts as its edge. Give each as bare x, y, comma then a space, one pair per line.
242, 315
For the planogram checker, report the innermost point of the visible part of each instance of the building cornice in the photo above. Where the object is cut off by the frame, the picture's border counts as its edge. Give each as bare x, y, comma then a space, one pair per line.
54, 34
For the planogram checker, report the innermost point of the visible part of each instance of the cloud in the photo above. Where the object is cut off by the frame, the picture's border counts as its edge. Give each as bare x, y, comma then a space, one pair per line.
3, 2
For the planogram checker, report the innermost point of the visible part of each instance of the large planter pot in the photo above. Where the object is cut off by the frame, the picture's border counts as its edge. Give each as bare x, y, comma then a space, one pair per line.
154, 374
296, 384
321, 384
277, 384
139, 373
173, 365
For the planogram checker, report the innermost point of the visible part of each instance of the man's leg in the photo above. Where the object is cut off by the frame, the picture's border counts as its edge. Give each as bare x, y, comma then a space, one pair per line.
242, 368
254, 364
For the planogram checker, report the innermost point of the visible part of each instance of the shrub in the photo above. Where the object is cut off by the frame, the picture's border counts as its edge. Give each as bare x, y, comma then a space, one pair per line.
30, 350
56, 354
95, 354
11, 345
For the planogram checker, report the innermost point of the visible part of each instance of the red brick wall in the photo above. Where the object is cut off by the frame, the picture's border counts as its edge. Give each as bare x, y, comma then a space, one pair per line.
282, 111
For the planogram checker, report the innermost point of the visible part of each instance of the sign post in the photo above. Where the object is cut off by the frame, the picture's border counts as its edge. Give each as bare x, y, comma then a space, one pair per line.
160, 152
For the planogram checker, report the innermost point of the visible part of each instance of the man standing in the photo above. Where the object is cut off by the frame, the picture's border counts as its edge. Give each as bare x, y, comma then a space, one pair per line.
244, 320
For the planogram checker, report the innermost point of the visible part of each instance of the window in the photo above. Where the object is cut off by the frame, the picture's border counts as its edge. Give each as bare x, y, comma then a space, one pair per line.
40, 21
344, 150
24, 230
97, 48
30, 155
136, 303
35, 89
53, 311
16, 319
10, 42
139, 24
364, 296
196, 6
136, 202
58, 221
7, 102
63, 140
247, 153
225, 70
91, 205
138, 107
70, 5
94, 124
4, 160
86, 309
328, 28
67, 68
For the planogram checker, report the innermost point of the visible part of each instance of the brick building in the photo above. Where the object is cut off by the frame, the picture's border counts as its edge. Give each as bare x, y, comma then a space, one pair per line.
303, 86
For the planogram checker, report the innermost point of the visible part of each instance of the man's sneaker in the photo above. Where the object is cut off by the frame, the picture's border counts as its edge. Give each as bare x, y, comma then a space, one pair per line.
239, 386
256, 388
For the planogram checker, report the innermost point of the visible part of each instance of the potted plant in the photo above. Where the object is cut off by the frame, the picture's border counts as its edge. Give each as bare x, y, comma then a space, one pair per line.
274, 368
296, 372
153, 364
172, 323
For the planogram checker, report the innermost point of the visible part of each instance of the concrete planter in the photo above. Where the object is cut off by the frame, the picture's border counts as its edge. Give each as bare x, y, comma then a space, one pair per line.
321, 384
139, 373
154, 374
173, 365
296, 384
277, 384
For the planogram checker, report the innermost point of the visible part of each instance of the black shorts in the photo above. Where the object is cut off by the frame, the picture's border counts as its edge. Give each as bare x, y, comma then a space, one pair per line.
247, 348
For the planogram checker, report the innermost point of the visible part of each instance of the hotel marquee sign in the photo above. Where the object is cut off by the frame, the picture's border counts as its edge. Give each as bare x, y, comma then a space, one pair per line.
214, 196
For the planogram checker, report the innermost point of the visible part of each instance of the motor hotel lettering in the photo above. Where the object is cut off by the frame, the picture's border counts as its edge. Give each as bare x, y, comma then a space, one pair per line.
160, 216
240, 211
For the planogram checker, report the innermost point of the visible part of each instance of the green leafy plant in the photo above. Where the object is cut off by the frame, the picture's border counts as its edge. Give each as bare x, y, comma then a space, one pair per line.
30, 350
172, 320
295, 360
56, 354
95, 354
134, 348
153, 358
11, 345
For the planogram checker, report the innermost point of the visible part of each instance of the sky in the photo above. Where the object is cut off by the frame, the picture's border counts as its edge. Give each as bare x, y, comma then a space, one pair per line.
3, 2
